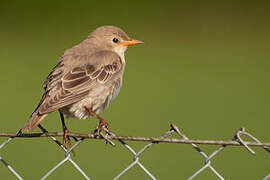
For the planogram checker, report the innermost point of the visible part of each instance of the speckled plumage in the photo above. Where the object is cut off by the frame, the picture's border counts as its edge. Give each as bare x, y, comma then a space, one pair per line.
87, 75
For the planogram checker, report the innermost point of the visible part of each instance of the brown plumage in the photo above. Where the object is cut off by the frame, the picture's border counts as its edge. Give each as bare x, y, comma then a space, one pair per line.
87, 77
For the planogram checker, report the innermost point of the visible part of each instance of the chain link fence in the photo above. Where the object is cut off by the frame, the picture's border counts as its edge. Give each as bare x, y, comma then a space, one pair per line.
236, 140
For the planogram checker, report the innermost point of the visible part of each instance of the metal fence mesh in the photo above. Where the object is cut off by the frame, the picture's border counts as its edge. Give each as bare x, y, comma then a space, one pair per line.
236, 140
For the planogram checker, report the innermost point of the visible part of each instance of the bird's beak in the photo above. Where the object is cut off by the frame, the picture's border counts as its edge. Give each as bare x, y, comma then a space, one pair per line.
131, 42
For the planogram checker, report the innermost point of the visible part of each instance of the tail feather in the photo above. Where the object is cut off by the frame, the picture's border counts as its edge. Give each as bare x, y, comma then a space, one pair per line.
34, 121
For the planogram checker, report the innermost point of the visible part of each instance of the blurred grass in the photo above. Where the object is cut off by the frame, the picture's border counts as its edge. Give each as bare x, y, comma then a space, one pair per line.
204, 66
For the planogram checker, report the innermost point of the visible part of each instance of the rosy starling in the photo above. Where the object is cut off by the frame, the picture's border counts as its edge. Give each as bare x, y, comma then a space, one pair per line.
86, 79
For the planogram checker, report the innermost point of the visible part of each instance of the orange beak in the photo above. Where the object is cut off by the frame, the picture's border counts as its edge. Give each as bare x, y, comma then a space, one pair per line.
131, 42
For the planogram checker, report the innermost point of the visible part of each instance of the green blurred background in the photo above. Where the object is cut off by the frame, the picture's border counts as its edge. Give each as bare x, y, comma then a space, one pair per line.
204, 66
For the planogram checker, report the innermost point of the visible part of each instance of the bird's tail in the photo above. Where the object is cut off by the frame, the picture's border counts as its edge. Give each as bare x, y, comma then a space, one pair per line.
34, 121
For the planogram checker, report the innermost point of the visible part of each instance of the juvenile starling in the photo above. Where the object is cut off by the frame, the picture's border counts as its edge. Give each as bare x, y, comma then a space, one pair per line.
86, 79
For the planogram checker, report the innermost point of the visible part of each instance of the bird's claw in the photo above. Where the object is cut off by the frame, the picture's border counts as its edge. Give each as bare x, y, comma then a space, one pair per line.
66, 138
103, 125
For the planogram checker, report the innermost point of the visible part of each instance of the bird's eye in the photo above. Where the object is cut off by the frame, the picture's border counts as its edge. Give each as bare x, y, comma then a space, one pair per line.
115, 40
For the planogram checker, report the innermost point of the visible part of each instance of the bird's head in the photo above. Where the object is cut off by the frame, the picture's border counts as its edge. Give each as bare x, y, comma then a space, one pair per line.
112, 38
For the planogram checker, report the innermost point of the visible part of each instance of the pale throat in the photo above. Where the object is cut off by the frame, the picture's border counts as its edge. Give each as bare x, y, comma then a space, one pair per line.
120, 50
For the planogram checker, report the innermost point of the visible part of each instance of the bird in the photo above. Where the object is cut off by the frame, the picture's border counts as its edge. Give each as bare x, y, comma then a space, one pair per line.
85, 80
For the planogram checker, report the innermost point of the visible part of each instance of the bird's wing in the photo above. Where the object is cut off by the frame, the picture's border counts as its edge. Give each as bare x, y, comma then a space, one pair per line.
64, 88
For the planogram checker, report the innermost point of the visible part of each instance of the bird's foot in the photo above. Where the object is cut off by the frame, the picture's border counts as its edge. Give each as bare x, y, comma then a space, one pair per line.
103, 125
66, 137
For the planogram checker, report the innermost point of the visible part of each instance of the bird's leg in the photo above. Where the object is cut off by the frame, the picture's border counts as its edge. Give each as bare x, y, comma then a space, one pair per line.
102, 122
66, 137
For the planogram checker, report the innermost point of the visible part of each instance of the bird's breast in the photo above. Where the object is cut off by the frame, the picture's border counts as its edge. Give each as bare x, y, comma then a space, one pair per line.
98, 99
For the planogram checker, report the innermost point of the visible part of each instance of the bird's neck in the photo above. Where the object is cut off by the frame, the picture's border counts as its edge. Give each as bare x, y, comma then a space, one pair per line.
121, 52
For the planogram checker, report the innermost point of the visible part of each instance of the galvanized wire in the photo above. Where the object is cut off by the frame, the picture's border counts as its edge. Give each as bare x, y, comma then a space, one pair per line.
236, 140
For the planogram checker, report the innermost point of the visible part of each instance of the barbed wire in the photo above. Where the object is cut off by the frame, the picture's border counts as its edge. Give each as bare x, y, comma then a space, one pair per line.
236, 140
139, 139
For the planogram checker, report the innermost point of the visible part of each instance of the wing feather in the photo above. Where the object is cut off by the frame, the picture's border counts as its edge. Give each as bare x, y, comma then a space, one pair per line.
64, 88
